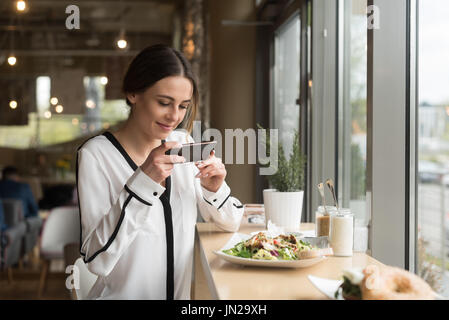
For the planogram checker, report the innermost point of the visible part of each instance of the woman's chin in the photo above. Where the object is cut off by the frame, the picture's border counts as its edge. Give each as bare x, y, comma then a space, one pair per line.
163, 135
160, 134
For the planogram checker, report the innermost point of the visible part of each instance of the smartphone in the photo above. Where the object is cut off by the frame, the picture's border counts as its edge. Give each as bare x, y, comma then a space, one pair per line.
194, 152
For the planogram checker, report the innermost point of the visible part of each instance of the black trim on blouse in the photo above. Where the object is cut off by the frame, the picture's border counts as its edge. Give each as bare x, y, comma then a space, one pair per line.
136, 196
221, 205
165, 199
77, 192
120, 148
114, 234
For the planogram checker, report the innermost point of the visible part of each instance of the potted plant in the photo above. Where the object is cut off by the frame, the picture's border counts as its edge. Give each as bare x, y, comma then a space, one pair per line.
283, 201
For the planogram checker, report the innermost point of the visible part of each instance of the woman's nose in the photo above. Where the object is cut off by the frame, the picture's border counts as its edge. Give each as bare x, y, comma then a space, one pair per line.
173, 114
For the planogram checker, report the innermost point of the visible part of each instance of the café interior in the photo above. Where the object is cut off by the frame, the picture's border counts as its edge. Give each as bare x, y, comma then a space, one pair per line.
359, 85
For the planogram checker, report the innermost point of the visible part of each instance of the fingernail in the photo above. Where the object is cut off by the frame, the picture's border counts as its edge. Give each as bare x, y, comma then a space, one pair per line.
198, 175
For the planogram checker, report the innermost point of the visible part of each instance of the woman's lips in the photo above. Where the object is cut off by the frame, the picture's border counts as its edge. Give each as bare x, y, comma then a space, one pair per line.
165, 127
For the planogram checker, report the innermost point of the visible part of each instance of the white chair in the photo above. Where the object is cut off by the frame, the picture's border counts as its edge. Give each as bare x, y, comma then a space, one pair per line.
61, 227
86, 280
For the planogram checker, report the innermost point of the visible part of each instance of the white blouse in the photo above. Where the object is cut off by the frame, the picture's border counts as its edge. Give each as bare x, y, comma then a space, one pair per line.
136, 235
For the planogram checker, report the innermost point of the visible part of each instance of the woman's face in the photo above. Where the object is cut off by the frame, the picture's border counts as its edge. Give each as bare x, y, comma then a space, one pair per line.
162, 107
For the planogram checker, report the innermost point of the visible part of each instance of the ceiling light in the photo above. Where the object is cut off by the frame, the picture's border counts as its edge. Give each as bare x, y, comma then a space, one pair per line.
75, 121
90, 104
59, 108
54, 101
47, 114
13, 104
12, 60
121, 42
104, 80
21, 5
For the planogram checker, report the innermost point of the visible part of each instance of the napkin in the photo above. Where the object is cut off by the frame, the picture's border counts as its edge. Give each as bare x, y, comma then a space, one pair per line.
326, 286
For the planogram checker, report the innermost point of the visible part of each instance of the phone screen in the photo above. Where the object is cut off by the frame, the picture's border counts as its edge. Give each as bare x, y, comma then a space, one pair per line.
193, 152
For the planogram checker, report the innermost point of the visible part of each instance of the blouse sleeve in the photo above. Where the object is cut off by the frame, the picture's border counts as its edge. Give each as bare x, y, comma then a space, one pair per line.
108, 226
220, 207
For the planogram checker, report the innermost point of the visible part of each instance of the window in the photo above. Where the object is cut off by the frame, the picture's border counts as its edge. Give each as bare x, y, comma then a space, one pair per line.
286, 77
352, 113
433, 145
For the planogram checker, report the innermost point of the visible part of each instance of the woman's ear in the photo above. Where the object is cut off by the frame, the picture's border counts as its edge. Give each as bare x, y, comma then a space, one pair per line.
132, 97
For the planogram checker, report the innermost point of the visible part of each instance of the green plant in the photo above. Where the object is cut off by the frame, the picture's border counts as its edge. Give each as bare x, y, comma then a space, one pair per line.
290, 173
427, 268
358, 180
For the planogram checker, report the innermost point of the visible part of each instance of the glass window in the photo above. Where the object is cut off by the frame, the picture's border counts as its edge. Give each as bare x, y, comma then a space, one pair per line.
286, 76
352, 130
433, 145
47, 126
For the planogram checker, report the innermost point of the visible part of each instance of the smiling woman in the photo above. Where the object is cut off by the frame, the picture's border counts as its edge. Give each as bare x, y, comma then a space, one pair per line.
164, 62
138, 206
162, 107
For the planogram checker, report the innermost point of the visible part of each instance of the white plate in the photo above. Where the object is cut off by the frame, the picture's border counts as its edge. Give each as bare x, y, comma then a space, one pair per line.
328, 287
270, 263
238, 237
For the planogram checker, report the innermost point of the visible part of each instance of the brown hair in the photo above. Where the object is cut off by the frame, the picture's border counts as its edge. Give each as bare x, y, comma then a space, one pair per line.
155, 63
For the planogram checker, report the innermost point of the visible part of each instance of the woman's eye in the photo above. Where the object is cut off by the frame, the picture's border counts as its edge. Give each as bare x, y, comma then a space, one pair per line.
162, 103
183, 107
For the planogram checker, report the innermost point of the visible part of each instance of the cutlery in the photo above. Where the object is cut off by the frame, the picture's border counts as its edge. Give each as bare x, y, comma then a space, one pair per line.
321, 189
330, 185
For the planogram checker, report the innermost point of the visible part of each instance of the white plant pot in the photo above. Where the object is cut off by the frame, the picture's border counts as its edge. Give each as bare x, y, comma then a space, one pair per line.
283, 208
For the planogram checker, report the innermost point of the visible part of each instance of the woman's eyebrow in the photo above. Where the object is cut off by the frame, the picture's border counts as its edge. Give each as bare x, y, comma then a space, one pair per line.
171, 98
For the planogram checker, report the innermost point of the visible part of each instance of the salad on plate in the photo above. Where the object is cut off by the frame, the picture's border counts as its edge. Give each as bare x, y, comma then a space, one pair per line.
282, 247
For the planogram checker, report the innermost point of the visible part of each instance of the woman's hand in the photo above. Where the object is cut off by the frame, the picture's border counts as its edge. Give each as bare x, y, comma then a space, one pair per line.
158, 165
212, 172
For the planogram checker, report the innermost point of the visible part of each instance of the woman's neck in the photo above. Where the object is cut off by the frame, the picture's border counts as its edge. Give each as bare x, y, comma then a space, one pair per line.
136, 143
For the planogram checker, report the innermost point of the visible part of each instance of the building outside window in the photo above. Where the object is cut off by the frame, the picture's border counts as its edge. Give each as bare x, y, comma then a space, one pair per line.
433, 145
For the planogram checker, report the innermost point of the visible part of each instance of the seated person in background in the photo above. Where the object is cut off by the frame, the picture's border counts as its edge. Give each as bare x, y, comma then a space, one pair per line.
3, 225
11, 188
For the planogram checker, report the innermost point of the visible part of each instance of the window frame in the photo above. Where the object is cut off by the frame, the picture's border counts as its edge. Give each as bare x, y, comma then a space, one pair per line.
283, 12
391, 122
391, 187
323, 160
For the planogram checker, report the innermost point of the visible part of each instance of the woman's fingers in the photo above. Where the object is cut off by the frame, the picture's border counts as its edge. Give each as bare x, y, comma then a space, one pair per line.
159, 165
212, 170
167, 145
213, 173
169, 158
209, 160
172, 159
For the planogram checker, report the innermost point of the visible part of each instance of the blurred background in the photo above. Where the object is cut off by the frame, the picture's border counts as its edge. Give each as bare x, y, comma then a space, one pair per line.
61, 85
257, 62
